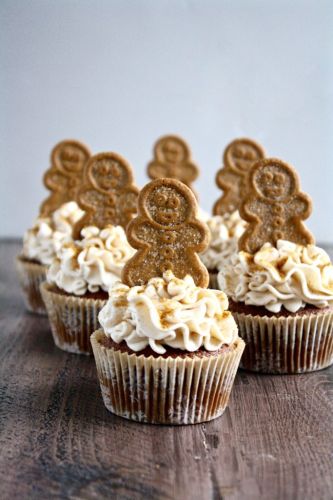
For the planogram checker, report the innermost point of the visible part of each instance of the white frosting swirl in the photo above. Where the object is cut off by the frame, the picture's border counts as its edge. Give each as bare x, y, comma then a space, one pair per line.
93, 263
289, 275
225, 231
168, 312
42, 241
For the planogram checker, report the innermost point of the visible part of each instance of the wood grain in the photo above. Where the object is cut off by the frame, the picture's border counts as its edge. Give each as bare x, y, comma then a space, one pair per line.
58, 441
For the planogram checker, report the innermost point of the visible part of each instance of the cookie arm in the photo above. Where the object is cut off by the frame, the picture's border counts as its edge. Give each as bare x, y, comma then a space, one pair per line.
225, 179
87, 197
156, 170
129, 200
301, 205
249, 211
137, 234
189, 172
54, 181
200, 234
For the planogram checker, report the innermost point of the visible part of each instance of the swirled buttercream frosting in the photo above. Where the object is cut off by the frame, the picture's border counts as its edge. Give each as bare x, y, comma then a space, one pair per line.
225, 231
288, 275
168, 312
93, 263
41, 242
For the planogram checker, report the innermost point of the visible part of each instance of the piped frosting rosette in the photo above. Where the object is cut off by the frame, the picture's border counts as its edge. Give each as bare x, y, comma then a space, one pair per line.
289, 275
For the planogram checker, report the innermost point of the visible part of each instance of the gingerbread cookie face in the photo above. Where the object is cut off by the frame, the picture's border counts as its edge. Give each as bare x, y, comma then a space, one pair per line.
108, 195
167, 205
108, 174
65, 175
241, 154
167, 235
275, 207
274, 181
172, 159
238, 158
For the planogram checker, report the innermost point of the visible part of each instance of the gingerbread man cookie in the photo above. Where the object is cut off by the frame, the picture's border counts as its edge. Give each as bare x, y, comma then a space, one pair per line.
108, 195
275, 207
238, 158
173, 159
64, 177
167, 235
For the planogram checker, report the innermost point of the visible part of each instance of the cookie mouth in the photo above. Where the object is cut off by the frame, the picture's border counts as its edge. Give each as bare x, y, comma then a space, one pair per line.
242, 164
274, 192
106, 183
166, 217
171, 156
71, 166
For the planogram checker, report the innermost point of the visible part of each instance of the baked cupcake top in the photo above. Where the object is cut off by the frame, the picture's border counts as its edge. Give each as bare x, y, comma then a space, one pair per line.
92, 263
225, 231
47, 234
287, 275
168, 312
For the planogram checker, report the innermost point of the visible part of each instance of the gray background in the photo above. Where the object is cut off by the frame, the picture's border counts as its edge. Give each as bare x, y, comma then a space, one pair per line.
117, 74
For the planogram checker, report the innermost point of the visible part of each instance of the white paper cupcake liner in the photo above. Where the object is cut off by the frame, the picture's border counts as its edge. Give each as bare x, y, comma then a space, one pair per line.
291, 344
169, 390
72, 319
31, 275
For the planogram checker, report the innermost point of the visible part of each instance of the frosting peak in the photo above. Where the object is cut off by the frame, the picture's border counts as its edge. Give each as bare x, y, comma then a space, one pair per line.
168, 312
289, 275
41, 242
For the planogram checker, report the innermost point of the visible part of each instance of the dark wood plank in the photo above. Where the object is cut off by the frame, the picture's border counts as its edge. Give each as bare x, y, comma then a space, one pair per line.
58, 441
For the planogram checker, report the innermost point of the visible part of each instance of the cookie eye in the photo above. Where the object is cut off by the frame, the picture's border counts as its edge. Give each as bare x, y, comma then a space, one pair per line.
173, 202
238, 152
161, 199
103, 169
249, 155
267, 177
279, 179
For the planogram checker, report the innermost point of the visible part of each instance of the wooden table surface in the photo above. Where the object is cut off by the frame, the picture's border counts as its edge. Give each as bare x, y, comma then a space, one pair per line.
58, 441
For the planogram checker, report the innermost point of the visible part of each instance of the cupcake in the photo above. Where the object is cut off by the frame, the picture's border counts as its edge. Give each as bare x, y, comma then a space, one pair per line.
226, 226
40, 244
83, 270
58, 214
280, 285
168, 349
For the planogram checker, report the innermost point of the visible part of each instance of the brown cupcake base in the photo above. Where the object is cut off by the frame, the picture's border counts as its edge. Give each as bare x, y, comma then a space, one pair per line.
213, 279
285, 343
72, 319
176, 389
31, 274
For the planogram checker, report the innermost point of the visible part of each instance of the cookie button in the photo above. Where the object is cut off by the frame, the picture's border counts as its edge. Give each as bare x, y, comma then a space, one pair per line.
167, 252
168, 238
111, 201
166, 266
278, 209
278, 235
72, 182
277, 222
109, 212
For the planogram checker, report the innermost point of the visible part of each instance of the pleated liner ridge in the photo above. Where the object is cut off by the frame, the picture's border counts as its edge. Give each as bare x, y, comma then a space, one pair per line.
31, 275
292, 344
72, 319
165, 390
